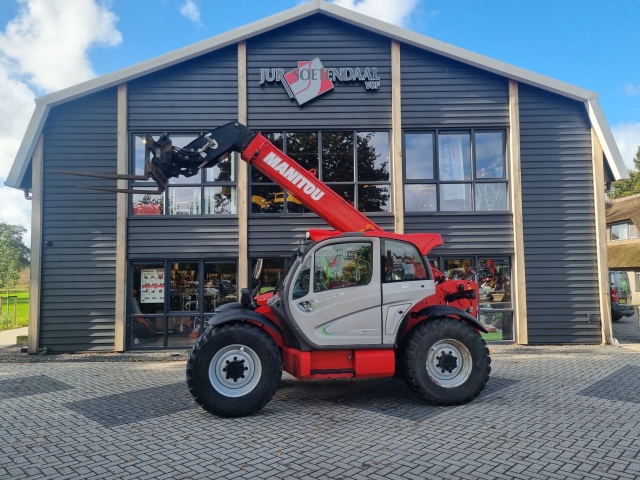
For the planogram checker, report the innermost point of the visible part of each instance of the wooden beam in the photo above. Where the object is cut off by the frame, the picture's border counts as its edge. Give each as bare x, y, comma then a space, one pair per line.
397, 176
601, 239
120, 332
243, 176
37, 176
518, 276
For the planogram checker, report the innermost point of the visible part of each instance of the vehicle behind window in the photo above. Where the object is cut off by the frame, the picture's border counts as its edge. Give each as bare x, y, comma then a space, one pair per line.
619, 283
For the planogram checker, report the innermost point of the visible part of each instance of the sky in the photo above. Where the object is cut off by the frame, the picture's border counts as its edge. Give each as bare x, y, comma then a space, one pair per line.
48, 45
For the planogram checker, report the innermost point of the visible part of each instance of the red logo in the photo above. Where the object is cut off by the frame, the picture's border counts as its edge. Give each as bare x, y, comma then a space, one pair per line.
307, 81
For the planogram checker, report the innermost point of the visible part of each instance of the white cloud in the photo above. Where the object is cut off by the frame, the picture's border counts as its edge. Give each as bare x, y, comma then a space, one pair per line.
627, 136
190, 11
43, 49
397, 12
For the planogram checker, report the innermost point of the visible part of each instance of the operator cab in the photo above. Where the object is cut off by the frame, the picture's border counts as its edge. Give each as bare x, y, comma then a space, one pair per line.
351, 289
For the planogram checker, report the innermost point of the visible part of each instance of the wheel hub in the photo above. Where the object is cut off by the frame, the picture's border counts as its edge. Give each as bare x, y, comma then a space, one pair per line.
235, 369
447, 361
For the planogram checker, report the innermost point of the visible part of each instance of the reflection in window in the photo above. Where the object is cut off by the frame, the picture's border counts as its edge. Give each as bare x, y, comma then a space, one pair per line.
211, 191
622, 231
354, 164
493, 276
301, 285
402, 262
470, 173
342, 265
272, 270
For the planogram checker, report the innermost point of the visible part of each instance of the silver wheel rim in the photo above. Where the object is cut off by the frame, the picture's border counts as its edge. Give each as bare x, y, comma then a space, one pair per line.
235, 370
449, 363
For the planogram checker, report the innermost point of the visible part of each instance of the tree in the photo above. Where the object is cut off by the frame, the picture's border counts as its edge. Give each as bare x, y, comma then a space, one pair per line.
14, 255
630, 186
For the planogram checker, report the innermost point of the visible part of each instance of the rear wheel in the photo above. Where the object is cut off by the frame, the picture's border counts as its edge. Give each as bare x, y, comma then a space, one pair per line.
446, 362
233, 370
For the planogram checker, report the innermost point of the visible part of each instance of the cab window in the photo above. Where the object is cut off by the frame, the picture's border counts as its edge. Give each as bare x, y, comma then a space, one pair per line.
342, 265
402, 261
301, 285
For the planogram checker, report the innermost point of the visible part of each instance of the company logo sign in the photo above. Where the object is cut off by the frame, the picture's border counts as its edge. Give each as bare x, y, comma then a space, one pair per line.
311, 79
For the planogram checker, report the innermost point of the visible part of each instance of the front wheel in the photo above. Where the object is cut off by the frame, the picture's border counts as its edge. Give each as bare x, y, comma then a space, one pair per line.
233, 370
446, 362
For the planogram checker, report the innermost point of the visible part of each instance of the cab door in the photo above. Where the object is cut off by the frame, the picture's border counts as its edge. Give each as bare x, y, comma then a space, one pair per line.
335, 298
406, 280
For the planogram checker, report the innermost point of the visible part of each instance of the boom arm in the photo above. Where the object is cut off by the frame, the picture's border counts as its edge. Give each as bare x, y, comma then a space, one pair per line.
207, 150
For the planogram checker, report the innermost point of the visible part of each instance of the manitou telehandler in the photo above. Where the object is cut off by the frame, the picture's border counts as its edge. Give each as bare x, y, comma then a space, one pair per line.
355, 301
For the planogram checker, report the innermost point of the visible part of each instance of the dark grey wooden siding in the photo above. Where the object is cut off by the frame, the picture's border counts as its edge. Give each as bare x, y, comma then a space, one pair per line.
438, 92
78, 269
182, 237
198, 94
348, 105
273, 236
559, 219
466, 234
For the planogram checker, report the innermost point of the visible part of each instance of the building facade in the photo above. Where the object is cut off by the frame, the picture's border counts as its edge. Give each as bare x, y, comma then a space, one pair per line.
507, 165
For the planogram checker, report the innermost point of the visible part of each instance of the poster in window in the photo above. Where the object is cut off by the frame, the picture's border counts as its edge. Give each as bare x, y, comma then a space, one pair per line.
152, 285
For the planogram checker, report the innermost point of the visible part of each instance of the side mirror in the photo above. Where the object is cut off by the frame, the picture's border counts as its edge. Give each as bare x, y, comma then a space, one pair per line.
257, 269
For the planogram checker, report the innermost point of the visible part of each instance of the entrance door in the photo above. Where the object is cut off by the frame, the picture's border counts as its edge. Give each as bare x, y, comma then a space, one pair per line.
335, 299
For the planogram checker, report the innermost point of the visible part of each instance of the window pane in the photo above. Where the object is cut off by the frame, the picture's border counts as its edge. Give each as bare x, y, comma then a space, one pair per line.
272, 270
218, 200
144, 204
294, 205
342, 265
455, 197
489, 155
373, 156
139, 155
184, 200
180, 141
494, 282
301, 284
184, 330
146, 304
420, 198
219, 284
419, 156
402, 261
185, 287
491, 197
346, 192
454, 156
620, 231
374, 198
498, 324
337, 157
459, 268
224, 171
303, 148
267, 199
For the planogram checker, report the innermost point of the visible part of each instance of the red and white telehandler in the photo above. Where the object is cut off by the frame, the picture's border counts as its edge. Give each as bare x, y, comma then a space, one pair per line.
355, 301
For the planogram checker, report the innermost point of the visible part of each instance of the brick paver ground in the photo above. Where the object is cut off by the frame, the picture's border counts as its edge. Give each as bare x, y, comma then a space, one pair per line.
547, 413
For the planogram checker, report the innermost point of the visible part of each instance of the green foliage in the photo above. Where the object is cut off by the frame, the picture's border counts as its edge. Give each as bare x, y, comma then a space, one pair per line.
21, 313
14, 255
631, 186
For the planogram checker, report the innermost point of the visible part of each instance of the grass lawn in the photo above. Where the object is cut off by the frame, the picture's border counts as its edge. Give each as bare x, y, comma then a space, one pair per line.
22, 309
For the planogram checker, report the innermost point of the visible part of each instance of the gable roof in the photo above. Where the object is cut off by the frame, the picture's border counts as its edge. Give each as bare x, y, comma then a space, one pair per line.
44, 104
624, 209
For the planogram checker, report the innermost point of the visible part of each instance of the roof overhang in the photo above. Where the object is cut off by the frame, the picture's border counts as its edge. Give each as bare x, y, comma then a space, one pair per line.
45, 103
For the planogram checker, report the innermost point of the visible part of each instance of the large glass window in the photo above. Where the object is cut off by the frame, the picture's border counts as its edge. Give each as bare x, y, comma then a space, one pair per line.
455, 171
402, 261
342, 265
209, 192
354, 164
171, 301
493, 276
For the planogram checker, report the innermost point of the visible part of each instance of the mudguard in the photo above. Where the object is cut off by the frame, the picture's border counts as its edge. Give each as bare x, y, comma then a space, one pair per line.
237, 313
447, 311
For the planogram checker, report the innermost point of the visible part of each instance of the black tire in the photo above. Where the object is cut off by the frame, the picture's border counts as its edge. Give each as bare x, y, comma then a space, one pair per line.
234, 369
465, 366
